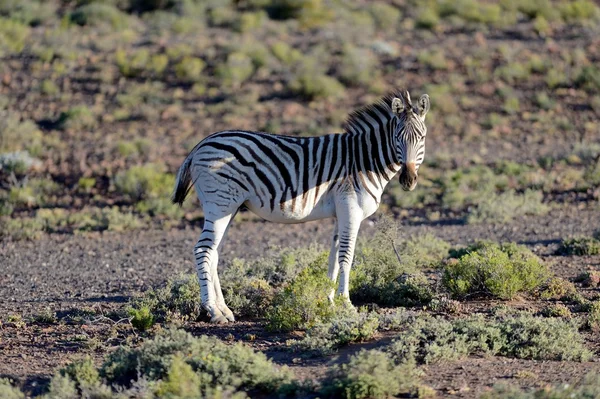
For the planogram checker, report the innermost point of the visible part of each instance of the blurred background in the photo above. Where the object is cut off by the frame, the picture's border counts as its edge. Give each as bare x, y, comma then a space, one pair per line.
100, 101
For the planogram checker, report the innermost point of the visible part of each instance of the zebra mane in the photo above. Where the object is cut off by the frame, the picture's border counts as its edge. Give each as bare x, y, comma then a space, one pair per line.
383, 106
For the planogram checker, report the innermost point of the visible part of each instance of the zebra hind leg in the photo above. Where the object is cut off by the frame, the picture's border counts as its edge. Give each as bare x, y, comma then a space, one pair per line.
206, 254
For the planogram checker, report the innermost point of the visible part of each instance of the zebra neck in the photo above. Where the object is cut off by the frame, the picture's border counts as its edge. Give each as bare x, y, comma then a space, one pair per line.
373, 161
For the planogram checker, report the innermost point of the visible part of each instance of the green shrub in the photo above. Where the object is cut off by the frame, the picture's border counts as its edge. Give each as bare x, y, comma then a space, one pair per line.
522, 335
35, 192
179, 299
589, 279
579, 246
189, 69
593, 317
49, 87
21, 228
310, 82
181, 381
238, 68
147, 181
13, 36
434, 59
77, 118
141, 317
505, 207
358, 66
589, 78
558, 289
309, 13
379, 276
17, 134
502, 271
370, 374
82, 372
529, 337
556, 310
62, 387
579, 10
132, 64
98, 14
286, 54
386, 16
427, 18
304, 301
7, 391
589, 387
216, 364
249, 21
342, 329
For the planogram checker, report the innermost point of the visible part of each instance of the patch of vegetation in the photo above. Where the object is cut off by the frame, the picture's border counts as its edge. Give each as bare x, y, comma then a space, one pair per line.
98, 14
189, 69
304, 301
579, 246
589, 387
502, 271
357, 66
214, 363
17, 134
238, 68
389, 274
77, 118
507, 206
431, 339
8, 391
370, 374
343, 328
556, 310
589, 279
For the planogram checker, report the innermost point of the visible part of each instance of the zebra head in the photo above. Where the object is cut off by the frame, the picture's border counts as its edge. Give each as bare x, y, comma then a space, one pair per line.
409, 132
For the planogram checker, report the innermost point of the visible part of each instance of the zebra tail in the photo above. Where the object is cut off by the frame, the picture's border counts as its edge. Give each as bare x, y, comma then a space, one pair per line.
183, 182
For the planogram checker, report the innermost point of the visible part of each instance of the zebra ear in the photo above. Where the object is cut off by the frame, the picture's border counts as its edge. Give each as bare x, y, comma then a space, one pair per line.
397, 106
423, 105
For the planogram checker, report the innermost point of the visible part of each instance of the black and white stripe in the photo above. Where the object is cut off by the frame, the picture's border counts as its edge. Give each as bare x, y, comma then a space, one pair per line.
295, 179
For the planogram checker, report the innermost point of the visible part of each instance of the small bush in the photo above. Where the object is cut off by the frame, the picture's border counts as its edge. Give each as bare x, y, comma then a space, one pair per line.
304, 301
77, 118
7, 391
310, 82
379, 276
357, 66
179, 299
215, 363
341, 330
98, 14
238, 68
433, 59
556, 310
17, 134
370, 374
189, 69
593, 317
498, 270
589, 279
147, 181
558, 289
286, 54
62, 387
13, 36
141, 317
579, 246
82, 372
386, 16
589, 387
589, 78
507, 206
521, 335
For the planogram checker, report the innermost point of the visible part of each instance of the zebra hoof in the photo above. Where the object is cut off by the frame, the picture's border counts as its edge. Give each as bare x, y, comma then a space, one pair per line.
219, 319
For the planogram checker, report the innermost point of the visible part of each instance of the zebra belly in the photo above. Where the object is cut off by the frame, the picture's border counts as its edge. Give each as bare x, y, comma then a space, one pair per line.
325, 208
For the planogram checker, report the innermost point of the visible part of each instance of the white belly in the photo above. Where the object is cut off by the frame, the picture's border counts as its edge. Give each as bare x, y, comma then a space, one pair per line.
325, 208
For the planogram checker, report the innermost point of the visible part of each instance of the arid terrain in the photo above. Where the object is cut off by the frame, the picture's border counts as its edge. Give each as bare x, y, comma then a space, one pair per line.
100, 101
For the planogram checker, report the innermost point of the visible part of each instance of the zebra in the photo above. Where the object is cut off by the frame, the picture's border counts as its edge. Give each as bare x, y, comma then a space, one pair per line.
297, 179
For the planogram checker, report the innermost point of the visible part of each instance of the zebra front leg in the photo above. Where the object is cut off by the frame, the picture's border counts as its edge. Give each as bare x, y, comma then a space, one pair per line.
349, 224
206, 252
334, 264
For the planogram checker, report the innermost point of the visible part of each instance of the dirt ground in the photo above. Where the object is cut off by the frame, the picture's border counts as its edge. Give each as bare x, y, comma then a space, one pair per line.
66, 273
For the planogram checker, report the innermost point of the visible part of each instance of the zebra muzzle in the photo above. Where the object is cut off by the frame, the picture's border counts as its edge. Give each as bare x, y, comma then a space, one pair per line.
408, 177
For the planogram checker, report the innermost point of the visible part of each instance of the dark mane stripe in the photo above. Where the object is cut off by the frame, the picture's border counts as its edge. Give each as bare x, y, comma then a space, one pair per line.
383, 105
